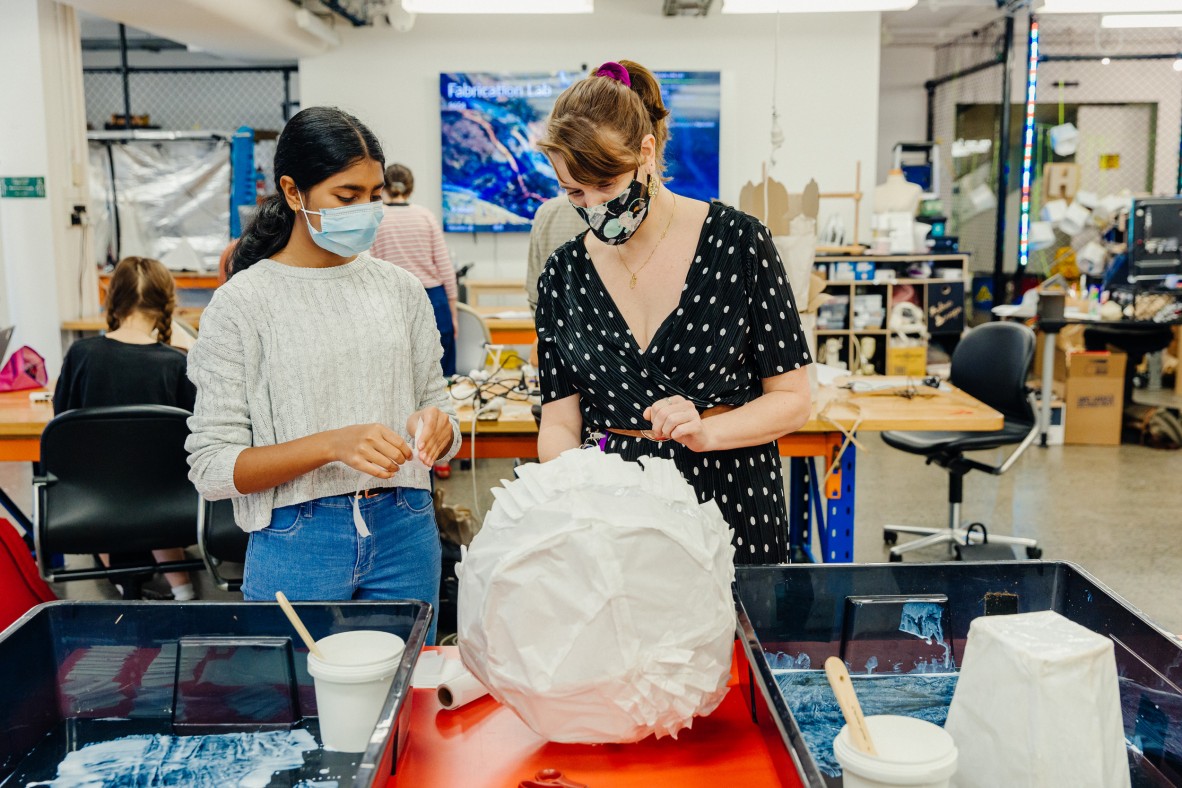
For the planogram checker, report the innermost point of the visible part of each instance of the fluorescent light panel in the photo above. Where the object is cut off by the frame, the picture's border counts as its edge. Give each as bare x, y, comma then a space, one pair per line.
499, 6
1109, 6
1124, 21
812, 6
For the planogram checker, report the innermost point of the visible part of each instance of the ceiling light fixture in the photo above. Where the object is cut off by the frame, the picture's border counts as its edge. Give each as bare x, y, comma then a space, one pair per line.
1126, 21
499, 7
1108, 6
812, 6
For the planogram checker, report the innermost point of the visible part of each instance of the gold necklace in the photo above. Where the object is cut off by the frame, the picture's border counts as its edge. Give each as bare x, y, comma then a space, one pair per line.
668, 224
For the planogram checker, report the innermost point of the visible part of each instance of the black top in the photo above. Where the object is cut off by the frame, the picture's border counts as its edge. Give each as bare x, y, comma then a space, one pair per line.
736, 324
100, 372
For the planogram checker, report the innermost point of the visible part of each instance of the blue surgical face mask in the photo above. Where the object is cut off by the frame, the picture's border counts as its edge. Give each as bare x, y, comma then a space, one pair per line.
346, 231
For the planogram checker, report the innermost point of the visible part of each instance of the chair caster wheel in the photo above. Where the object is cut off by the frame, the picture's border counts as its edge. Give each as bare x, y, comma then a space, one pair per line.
890, 537
1034, 553
896, 559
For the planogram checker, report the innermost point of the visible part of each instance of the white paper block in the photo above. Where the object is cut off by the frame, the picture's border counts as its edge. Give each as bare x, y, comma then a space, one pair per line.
1042, 235
1037, 705
596, 600
1093, 258
983, 198
1075, 220
1110, 206
1064, 139
1087, 199
1054, 211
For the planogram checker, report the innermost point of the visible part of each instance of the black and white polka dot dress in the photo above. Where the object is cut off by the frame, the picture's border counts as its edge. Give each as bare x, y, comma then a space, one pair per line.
736, 324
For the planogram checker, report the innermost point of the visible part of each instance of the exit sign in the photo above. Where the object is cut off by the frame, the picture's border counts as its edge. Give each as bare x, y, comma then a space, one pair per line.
16, 188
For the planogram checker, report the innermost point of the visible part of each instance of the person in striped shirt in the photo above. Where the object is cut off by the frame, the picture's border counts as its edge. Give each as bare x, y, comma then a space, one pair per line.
411, 238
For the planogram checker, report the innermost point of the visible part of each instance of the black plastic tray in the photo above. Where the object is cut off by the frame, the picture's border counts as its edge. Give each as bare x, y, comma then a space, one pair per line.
79, 672
834, 610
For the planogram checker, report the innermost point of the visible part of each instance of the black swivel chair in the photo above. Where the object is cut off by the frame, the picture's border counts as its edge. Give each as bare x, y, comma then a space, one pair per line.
221, 542
990, 364
114, 480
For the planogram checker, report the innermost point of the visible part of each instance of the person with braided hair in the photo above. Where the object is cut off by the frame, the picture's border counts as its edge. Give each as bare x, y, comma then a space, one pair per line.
132, 364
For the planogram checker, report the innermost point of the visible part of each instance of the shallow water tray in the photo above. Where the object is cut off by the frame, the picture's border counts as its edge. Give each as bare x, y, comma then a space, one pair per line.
118, 674
912, 620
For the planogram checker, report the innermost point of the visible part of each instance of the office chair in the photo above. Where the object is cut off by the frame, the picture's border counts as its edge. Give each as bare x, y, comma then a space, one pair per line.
472, 340
114, 480
990, 364
221, 542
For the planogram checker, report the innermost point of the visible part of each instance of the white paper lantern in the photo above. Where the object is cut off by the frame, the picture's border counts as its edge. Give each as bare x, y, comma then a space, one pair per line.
596, 600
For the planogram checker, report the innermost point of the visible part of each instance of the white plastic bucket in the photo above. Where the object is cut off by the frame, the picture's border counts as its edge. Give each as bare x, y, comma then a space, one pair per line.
911, 752
351, 684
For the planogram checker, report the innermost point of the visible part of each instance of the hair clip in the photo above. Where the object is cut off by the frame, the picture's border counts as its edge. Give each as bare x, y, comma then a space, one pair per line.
614, 70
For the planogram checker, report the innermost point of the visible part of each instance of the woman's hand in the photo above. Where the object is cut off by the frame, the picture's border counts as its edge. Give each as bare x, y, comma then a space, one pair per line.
370, 448
437, 433
676, 418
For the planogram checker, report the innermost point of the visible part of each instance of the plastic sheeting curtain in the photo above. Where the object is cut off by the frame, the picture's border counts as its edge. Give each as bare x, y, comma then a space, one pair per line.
161, 198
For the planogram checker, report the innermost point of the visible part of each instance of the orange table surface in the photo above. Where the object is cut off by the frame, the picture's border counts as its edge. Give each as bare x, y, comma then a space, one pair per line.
485, 744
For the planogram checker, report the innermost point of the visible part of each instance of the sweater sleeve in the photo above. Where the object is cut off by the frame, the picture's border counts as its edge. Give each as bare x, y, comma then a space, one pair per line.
220, 427
430, 385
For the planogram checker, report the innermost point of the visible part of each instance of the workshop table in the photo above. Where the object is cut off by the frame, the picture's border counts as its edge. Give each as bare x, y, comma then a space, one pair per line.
829, 494
485, 744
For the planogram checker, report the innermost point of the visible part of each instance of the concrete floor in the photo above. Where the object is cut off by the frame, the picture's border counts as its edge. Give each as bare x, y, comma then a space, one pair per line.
1115, 511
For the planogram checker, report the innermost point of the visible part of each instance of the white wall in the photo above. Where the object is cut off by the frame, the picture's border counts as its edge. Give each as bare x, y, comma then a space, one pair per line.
44, 275
902, 100
828, 90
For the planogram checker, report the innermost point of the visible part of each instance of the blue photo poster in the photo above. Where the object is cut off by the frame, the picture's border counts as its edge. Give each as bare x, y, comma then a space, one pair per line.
494, 177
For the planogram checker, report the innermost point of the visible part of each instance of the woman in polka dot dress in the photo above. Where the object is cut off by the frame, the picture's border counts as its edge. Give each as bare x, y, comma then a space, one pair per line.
670, 325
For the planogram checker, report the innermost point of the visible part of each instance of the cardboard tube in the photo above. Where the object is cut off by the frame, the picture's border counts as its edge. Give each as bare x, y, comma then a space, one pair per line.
460, 690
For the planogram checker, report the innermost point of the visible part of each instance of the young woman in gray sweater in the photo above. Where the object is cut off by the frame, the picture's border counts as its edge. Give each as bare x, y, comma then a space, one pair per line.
320, 399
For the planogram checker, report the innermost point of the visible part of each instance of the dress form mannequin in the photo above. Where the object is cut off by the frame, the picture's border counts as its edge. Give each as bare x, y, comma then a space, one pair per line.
897, 195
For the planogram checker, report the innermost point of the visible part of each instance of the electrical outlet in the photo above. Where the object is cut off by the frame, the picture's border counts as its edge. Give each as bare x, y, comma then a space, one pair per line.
78, 216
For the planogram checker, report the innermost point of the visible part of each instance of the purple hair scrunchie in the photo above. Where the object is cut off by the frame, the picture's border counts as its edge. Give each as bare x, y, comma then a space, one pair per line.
614, 70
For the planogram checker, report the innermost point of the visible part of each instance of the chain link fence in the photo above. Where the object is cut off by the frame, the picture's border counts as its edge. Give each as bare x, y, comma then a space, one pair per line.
1121, 90
969, 74
195, 99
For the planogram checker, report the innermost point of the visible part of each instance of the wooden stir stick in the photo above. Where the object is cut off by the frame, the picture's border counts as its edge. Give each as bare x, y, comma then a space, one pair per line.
847, 699
305, 635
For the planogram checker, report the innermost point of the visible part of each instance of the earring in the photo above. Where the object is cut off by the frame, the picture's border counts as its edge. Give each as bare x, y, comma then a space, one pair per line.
653, 184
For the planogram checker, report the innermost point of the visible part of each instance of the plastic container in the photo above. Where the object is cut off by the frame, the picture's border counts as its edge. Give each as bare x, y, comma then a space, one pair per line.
351, 684
93, 672
801, 614
911, 753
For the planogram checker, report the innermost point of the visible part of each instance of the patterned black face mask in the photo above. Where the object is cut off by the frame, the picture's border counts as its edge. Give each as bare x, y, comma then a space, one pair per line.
616, 220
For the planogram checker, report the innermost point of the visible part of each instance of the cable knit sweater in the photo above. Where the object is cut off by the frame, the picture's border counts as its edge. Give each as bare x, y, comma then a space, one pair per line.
288, 352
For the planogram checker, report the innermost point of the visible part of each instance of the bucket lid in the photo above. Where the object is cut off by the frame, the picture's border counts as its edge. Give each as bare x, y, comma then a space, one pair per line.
910, 751
355, 654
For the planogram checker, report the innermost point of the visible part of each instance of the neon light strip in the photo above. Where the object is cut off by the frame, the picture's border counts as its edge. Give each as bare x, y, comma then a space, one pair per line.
1028, 146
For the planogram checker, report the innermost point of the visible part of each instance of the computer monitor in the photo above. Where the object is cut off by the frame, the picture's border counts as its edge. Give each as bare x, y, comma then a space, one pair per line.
1155, 238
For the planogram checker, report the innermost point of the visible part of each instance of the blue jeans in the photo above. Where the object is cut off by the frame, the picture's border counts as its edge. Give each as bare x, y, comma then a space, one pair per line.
312, 551
447, 331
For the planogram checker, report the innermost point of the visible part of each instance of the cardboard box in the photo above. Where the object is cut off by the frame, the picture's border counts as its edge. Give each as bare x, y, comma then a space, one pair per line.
907, 361
1094, 398
1069, 340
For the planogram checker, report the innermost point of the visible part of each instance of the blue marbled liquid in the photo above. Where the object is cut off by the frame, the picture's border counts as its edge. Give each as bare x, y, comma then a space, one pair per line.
923, 696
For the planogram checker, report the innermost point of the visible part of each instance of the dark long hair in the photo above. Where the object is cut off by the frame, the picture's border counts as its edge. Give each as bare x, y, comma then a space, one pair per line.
316, 144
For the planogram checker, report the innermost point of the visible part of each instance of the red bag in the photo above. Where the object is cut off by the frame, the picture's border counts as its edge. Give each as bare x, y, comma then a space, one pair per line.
25, 370
21, 587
